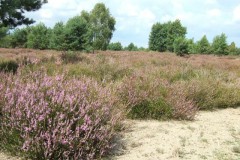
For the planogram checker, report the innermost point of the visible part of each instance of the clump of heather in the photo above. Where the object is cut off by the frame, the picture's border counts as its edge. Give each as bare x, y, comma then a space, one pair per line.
145, 98
184, 108
56, 118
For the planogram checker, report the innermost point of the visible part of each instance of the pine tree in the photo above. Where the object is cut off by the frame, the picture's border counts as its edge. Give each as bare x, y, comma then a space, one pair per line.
12, 11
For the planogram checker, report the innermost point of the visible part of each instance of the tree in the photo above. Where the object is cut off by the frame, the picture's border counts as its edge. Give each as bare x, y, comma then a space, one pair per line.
115, 46
12, 11
132, 47
19, 37
76, 37
203, 45
192, 47
158, 37
181, 46
163, 35
232, 49
102, 26
39, 36
58, 37
175, 30
219, 45
5, 38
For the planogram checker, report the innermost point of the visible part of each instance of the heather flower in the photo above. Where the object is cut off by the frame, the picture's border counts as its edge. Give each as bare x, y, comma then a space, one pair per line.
57, 118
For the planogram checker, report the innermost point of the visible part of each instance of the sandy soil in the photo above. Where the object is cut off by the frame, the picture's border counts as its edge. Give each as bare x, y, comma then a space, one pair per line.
4, 156
213, 135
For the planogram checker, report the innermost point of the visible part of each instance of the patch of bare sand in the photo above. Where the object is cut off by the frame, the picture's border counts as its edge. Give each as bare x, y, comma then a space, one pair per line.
213, 135
4, 156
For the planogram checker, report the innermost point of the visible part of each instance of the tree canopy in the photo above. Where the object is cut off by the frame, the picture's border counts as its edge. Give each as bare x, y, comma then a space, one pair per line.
102, 25
12, 11
219, 45
203, 45
162, 36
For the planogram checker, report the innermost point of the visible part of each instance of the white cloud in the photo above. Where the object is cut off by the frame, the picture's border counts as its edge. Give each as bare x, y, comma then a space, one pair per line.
46, 14
211, 2
236, 13
214, 13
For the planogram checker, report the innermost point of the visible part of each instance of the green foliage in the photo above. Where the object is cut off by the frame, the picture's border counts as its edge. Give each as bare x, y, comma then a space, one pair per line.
102, 26
232, 49
175, 30
3, 32
208, 95
131, 47
57, 37
193, 47
143, 49
115, 46
158, 109
219, 45
12, 12
5, 38
181, 46
9, 66
158, 37
19, 37
237, 51
163, 35
76, 37
203, 45
39, 36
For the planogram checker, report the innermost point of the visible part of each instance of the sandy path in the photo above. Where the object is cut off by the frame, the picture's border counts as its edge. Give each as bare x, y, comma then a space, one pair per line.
213, 135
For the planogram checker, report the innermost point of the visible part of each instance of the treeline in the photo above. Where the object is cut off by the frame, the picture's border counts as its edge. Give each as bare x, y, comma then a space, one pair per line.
171, 36
89, 31
93, 30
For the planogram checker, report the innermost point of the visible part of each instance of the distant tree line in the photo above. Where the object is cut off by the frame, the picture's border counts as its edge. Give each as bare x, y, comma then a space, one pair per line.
171, 36
88, 31
93, 30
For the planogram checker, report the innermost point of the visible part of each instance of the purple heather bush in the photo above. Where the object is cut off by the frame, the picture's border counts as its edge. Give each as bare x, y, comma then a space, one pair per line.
54, 117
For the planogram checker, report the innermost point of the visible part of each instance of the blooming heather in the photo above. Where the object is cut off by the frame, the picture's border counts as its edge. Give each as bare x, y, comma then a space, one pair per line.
57, 118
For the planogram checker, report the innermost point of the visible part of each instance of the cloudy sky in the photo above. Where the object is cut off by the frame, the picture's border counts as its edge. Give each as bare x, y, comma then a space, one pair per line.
135, 17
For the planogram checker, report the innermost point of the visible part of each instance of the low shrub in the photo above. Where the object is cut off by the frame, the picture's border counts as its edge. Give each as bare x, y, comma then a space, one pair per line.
184, 75
153, 98
9, 66
115, 46
157, 109
183, 107
210, 94
144, 98
55, 118
181, 46
71, 57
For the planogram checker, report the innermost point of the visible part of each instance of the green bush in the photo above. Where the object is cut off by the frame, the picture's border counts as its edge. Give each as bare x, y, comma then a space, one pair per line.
76, 34
71, 57
9, 66
131, 47
219, 45
39, 37
181, 46
19, 37
162, 36
115, 46
158, 109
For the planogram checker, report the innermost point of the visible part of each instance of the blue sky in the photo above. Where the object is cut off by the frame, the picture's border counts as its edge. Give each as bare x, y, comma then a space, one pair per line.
135, 17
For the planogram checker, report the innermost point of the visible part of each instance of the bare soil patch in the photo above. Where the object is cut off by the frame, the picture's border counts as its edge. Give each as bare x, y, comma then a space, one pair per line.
213, 135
